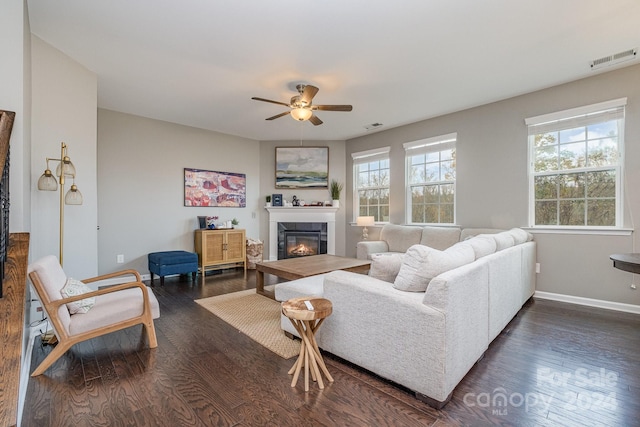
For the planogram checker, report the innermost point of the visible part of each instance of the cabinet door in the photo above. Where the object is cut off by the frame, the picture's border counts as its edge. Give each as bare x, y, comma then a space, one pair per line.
213, 247
235, 245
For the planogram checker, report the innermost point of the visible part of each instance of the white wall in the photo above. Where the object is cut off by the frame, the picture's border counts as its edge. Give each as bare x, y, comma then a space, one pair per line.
141, 185
64, 110
15, 96
337, 167
492, 181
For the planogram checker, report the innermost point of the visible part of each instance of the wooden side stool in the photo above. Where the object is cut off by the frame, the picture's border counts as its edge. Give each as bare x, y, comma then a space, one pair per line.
307, 314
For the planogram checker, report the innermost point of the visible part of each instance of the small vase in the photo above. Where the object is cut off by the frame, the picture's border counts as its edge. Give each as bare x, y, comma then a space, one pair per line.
335, 203
268, 204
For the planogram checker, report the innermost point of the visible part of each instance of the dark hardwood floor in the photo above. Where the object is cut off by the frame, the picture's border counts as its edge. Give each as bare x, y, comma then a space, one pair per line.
554, 364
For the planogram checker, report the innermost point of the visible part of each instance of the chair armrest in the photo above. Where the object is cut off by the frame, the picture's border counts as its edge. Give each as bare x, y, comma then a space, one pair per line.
366, 248
110, 289
114, 274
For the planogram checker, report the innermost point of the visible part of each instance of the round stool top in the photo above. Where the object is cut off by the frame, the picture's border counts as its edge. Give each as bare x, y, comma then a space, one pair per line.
296, 308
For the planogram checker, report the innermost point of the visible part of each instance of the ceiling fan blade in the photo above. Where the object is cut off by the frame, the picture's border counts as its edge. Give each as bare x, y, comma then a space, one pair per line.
315, 120
307, 94
278, 115
268, 100
332, 107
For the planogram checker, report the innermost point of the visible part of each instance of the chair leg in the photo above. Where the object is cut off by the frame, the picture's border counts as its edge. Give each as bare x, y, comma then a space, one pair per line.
161, 280
151, 278
55, 354
193, 276
151, 334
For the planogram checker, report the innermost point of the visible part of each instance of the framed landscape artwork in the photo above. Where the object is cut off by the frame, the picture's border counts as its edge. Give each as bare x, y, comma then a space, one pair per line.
302, 167
211, 188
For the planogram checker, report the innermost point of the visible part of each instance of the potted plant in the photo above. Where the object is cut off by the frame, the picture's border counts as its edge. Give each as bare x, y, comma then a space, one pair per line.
268, 200
335, 188
234, 222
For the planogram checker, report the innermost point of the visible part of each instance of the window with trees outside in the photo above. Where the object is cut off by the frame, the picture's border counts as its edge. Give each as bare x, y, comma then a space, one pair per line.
431, 180
371, 182
575, 168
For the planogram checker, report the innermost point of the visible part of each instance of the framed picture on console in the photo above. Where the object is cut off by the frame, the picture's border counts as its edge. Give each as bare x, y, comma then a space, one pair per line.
302, 167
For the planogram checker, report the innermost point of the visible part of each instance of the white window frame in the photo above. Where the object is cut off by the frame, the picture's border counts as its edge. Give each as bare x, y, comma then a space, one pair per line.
429, 145
569, 119
362, 157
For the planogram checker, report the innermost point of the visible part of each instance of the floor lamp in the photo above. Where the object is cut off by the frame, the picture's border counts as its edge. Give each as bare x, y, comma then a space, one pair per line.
365, 221
48, 182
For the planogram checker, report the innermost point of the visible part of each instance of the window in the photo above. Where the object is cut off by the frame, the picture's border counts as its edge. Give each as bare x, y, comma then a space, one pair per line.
371, 182
575, 168
431, 180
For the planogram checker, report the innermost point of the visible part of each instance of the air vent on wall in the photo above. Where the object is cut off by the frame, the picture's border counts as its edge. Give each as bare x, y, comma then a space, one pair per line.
613, 59
373, 126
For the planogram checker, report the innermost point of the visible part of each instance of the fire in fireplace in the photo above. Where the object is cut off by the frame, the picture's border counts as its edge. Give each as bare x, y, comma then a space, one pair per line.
296, 239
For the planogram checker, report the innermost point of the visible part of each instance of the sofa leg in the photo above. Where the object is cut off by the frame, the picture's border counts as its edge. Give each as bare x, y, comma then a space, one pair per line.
433, 402
289, 335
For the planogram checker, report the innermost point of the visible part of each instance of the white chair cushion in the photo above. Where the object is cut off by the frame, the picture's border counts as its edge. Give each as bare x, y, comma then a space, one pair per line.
112, 308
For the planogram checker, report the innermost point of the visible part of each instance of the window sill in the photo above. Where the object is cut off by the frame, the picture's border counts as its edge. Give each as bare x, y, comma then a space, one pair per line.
581, 231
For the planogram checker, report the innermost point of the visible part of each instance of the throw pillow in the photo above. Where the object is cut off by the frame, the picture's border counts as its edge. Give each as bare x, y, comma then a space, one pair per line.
75, 287
422, 263
385, 266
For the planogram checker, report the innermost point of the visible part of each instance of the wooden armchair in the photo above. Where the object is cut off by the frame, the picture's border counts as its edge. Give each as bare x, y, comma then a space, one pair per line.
116, 307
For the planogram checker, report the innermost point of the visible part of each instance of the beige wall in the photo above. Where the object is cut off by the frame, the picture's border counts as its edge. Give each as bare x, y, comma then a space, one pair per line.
492, 181
64, 110
141, 185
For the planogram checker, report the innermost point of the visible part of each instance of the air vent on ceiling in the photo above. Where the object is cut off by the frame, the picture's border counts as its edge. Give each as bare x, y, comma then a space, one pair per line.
373, 126
613, 59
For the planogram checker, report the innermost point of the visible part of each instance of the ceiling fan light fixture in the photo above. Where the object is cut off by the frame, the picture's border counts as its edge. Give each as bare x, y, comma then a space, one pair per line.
301, 114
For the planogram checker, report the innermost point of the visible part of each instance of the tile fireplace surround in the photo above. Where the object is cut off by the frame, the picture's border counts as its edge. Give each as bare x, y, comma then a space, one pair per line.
301, 214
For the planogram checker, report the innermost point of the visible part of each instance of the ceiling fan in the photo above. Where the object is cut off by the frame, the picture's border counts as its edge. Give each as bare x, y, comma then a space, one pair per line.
301, 107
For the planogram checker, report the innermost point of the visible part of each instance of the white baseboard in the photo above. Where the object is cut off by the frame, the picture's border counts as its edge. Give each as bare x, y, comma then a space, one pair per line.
609, 305
123, 279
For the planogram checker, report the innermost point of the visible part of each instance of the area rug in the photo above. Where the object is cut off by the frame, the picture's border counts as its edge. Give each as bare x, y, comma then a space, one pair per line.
256, 316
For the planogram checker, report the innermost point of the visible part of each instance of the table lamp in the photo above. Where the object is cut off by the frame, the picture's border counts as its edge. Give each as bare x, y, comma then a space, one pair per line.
365, 221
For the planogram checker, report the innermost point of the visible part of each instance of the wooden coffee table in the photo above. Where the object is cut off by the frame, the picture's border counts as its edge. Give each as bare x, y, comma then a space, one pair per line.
297, 268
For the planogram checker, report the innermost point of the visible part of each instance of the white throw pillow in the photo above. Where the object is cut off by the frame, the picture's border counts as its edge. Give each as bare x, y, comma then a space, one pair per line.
422, 263
75, 287
385, 266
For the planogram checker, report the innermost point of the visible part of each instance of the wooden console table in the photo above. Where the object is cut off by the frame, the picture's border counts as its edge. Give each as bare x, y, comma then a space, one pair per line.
220, 248
627, 262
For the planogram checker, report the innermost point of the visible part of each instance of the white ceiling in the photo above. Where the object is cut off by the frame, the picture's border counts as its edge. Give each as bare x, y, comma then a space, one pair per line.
199, 62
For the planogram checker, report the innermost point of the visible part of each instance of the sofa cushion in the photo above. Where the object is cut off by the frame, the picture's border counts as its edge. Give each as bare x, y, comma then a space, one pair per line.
440, 238
520, 236
385, 266
74, 288
482, 245
422, 263
468, 233
399, 238
504, 240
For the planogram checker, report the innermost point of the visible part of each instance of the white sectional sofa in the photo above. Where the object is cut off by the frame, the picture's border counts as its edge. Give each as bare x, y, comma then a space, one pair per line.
426, 327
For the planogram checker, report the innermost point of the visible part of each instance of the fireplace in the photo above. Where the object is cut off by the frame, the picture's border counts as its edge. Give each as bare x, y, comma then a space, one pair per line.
297, 239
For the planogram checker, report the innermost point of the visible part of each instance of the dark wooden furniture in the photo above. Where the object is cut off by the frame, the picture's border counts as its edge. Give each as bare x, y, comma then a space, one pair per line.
307, 319
627, 262
297, 268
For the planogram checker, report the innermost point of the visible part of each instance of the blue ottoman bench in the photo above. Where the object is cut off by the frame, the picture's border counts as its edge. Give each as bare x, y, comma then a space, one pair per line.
172, 262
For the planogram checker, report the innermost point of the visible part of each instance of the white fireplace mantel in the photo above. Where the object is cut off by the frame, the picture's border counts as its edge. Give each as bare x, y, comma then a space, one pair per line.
301, 214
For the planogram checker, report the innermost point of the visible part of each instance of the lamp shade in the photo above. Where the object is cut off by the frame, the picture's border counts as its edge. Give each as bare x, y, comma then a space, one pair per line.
65, 167
47, 181
301, 114
73, 196
365, 221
